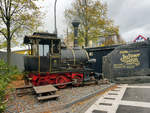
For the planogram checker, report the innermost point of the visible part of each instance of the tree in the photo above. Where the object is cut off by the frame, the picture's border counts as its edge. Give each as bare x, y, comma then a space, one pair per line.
3, 43
113, 40
17, 17
7, 74
93, 18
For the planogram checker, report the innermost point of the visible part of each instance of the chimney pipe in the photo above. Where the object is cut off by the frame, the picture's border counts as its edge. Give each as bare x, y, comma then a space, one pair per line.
75, 24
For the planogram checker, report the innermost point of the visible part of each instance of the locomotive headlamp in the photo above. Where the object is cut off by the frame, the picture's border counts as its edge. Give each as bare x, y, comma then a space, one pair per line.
75, 24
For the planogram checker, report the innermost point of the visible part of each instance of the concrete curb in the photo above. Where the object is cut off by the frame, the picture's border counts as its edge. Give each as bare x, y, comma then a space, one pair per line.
88, 96
64, 106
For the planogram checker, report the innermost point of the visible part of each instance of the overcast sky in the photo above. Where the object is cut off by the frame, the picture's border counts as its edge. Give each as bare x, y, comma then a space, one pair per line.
132, 16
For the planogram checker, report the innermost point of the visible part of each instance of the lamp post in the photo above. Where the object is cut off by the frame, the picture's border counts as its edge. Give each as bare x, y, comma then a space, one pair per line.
84, 3
55, 31
75, 24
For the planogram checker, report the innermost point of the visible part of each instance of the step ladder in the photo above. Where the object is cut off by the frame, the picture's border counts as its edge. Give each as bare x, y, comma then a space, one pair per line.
45, 92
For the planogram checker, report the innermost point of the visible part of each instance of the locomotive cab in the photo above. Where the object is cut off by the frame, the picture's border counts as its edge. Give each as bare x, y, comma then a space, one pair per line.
45, 52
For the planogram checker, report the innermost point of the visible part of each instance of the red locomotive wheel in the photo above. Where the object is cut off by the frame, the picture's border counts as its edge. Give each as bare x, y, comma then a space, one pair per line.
61, 80
49, 80
77, 81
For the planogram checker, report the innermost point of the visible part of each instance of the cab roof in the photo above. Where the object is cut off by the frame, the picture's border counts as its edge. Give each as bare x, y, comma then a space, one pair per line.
44, 38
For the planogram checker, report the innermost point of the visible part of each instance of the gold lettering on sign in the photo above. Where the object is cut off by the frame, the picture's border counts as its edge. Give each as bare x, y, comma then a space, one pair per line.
129, 59
134, 51
119, 66
123, 52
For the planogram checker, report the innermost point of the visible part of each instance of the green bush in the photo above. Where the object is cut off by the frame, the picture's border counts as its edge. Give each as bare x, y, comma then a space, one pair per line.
7, 74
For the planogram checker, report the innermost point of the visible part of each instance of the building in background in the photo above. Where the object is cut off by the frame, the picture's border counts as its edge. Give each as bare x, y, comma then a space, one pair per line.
106, 41
18, 50
139, 39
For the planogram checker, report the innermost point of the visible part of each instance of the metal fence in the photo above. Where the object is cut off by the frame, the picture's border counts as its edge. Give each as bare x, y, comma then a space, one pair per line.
16, 60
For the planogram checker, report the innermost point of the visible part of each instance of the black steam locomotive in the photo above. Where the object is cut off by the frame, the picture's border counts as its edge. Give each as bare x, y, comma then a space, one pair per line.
51, 63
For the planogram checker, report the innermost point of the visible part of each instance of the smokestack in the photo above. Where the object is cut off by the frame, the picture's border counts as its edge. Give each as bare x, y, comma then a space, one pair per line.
75, 24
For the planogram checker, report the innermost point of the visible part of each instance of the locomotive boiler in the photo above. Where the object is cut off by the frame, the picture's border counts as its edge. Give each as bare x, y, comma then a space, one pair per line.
51, 63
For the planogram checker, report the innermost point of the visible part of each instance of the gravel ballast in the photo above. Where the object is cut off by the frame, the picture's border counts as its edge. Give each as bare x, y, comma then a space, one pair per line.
30, 104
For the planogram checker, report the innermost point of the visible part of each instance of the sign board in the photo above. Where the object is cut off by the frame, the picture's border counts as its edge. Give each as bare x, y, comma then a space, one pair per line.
139, 39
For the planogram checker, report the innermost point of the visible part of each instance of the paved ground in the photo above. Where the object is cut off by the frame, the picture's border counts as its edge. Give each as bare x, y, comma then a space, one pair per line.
29, 103
124, 99
80, 107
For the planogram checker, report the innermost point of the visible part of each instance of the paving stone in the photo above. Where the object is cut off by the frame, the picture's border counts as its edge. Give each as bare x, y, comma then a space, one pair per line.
98, 111
137, 94
132, 109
